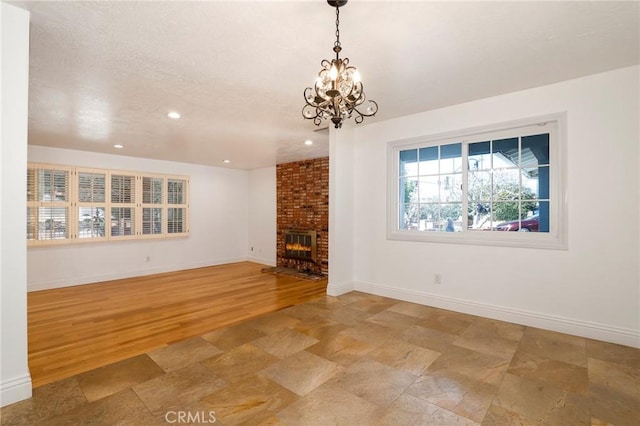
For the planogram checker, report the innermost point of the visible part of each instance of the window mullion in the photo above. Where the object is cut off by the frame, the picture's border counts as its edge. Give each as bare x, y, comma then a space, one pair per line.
138, 205
465, 186
520, 201
73, 204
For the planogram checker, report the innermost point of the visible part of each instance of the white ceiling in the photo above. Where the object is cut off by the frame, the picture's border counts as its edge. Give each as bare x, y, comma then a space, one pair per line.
105, 73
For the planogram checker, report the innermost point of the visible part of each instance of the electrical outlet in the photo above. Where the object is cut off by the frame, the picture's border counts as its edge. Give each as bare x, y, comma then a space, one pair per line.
148, 259
437, 279
251, 248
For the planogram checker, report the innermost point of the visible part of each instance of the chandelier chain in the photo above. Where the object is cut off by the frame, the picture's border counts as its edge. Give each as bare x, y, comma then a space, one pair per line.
337, 43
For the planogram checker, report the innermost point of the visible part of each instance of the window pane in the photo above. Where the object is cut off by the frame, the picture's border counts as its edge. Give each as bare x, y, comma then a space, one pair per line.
91, 222
479, 156
479, 186
451, 187
429, 161
122, 189
53, 223
529, 220
152, 190
479, 216
176, 220
505, 211
506, 184
535, 150
451, 158
409, 216
409, 162
176, 191
505, 153
428, 189
409, 190
53, 185
122, 221
535, 183
91, 187
151, 221
429, 217
450, 215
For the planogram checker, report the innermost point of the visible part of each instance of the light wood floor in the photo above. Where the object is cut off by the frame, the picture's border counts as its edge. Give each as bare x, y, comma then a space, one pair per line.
77, 329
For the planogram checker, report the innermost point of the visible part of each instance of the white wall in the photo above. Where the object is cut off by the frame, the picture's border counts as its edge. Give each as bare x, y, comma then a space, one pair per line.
591, 289
218, 224
15, 380
262, 216
341, 211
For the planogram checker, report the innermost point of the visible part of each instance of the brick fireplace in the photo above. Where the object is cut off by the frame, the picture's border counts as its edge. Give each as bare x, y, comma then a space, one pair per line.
302, 190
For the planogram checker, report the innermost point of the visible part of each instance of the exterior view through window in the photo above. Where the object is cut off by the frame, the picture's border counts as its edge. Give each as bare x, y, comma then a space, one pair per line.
494, 182
507, 183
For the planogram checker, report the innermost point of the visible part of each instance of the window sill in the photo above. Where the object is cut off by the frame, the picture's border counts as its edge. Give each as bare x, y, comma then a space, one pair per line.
485, 238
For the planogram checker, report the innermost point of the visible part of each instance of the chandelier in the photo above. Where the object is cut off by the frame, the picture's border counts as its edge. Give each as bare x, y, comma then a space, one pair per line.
338, 92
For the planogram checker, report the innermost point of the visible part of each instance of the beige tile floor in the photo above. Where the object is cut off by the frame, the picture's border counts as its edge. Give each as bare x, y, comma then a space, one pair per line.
356, 359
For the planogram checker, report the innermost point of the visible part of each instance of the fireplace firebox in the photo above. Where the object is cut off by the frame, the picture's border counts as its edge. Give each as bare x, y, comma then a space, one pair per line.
299, 244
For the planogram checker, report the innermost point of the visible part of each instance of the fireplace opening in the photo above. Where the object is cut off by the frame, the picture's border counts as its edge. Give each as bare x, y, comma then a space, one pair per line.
300, 245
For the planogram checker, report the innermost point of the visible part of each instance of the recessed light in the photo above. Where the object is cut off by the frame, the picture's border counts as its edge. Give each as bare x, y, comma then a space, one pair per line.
308, 142
226, 161
118, 146
173, 114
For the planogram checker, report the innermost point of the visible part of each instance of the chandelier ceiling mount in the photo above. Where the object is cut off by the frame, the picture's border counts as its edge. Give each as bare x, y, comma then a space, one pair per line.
338, 93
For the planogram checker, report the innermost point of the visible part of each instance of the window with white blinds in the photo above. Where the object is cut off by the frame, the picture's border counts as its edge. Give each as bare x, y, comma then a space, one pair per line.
176, 206
48, 204
123, 205
70, 204
153, 205
92, 204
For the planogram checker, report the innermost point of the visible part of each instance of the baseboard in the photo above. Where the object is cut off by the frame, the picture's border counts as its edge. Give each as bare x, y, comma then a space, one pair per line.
592, 330
262, 260
89, 279
14, 390
339, 289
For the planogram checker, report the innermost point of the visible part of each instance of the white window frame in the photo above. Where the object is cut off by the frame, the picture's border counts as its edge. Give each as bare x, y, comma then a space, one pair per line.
162, 206
136, 204
133, 205
184, 206
77, 204
37, 204
556, 238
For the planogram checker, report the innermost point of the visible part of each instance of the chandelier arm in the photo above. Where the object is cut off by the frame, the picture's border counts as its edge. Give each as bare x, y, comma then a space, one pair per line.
364, 114
308, 112
306, 100
356, 100
315, 104
322, 105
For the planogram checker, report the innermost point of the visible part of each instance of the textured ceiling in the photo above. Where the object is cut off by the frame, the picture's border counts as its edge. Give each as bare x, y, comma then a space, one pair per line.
105, 73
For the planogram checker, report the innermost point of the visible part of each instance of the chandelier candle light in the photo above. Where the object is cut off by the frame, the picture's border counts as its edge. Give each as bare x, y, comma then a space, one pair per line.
338, 91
